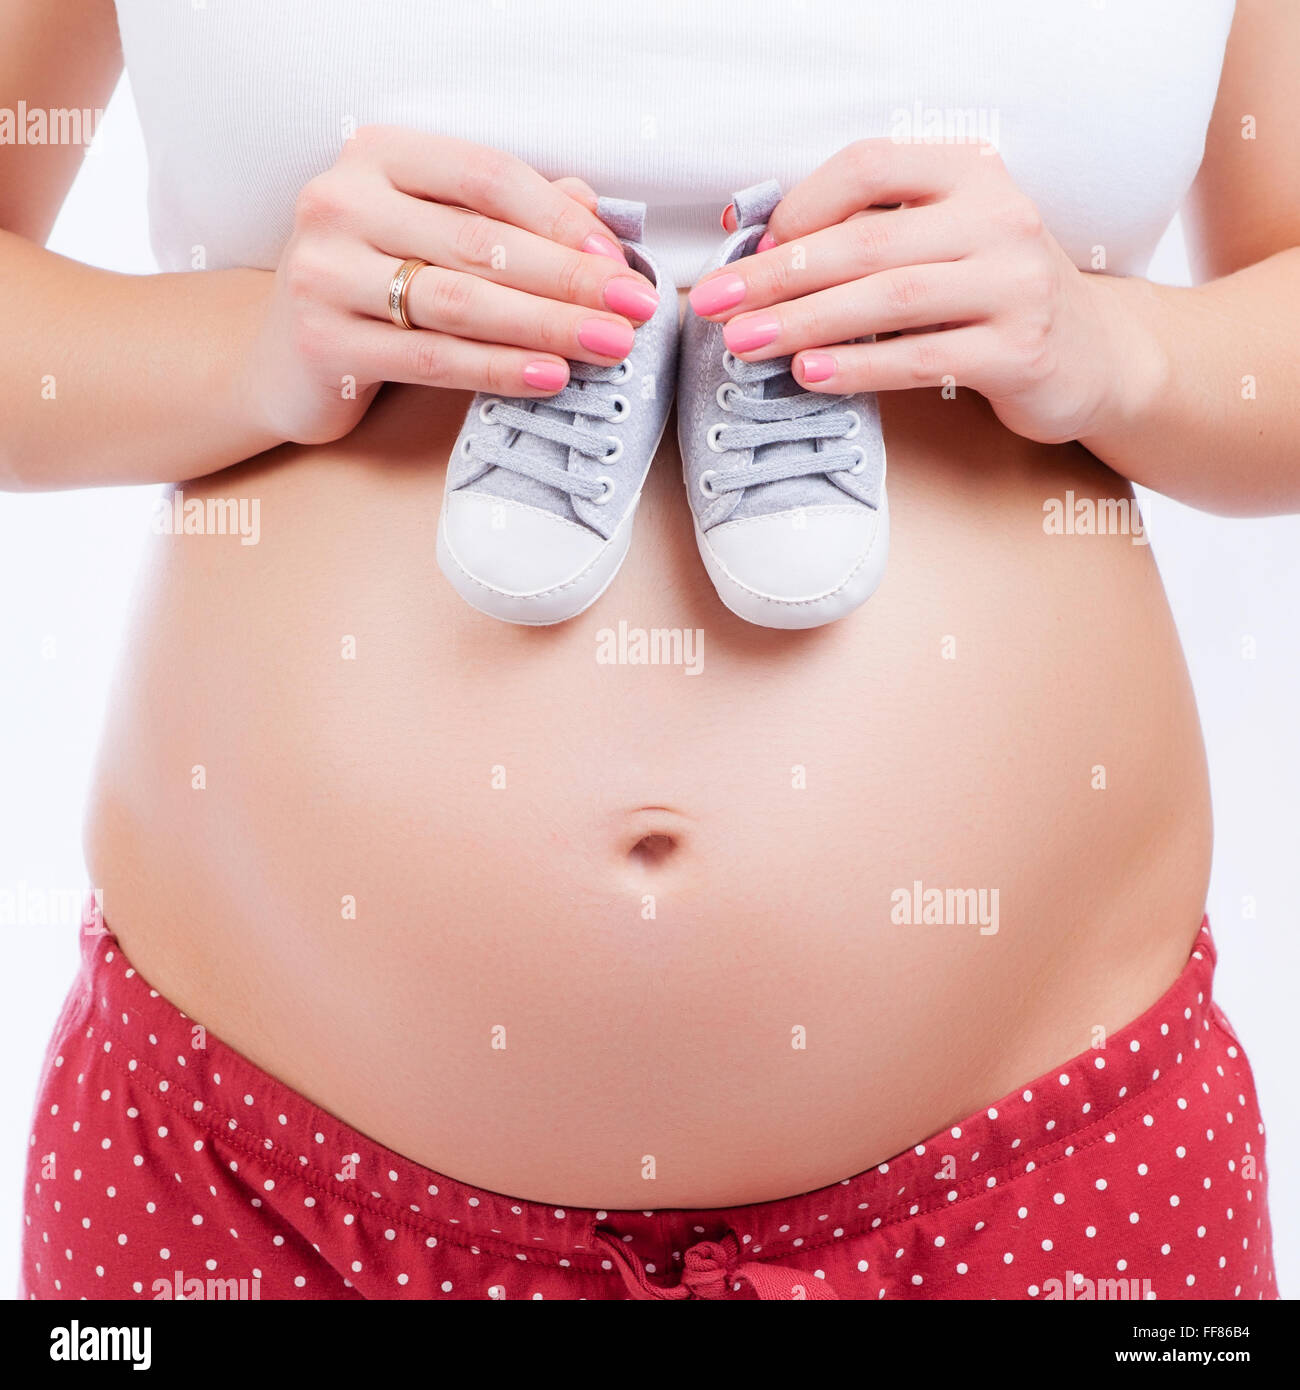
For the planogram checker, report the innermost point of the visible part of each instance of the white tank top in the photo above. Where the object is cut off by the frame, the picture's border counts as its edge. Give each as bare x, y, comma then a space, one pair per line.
1099, 107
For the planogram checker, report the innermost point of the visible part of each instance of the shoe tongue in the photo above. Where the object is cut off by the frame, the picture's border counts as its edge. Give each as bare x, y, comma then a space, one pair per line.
519, 487
753, 206
626, 220
811, 490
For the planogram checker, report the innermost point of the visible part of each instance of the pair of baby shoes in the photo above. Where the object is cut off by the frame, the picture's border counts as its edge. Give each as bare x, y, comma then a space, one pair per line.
786, 486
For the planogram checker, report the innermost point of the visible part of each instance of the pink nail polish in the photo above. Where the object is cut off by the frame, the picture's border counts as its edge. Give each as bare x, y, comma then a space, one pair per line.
602, 246
631, 298
718, 295
606, 339
729, 212
546, 376
766, 242
751, 332
817, 366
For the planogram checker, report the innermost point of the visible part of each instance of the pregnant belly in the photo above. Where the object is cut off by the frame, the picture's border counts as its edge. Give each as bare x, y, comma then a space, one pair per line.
655, 908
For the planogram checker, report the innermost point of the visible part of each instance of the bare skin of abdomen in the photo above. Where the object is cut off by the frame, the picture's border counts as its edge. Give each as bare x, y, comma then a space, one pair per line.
626, 936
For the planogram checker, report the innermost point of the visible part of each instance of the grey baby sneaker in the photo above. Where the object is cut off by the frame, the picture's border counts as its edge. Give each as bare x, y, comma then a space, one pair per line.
787, 486
540, 496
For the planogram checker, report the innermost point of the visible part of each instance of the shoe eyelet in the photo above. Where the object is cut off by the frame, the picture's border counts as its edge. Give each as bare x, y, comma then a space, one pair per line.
622, 371
623, 406
607, 494
614, 452
714, 438
705, 486
729, 360
464, 445
862, 460
726, 393
857, 425
485, 411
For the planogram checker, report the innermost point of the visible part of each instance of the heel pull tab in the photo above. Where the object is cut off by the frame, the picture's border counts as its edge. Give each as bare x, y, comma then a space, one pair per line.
624, 218
755, 204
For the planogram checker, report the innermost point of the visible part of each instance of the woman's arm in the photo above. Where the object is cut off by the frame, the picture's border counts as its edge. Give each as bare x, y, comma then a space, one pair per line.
160, 378
123, 378
1211, 413
108, 378
53, 59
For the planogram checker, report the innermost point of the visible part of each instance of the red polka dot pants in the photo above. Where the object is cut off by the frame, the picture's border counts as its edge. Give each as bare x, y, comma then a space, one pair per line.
162, 1169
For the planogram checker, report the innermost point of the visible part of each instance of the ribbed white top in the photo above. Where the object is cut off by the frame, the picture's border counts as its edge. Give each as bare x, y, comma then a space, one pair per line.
1099, 107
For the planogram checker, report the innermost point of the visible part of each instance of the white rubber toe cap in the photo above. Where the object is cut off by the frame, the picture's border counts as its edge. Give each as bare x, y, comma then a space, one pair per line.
798, 568
522, 564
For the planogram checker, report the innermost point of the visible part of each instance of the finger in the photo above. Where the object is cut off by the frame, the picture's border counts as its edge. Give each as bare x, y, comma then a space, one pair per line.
863, 174
579, 189
459, 240
959, 356
467, 306
834, 256
447, 170
914, 296
419, 357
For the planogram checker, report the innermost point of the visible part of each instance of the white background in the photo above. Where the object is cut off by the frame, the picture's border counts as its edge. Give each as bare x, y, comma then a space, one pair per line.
67, 563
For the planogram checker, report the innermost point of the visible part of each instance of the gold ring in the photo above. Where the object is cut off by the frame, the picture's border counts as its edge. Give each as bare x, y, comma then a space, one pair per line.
398, 288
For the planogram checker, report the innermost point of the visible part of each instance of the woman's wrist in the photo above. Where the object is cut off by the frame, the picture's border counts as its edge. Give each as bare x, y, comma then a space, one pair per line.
1136, 368
246, 382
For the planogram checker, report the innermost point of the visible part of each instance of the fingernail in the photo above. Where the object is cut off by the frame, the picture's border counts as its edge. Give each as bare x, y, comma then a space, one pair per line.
631, 298
546, 376
751, 332
602, 246
716, 296
606, 339
817, 366
766, 242
728, 218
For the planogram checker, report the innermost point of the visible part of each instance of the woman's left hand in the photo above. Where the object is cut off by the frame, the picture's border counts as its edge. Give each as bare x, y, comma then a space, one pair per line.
964, 271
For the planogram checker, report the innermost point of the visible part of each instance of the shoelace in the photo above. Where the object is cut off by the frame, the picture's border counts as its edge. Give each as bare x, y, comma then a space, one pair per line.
709, 1269
542, 424
804, 415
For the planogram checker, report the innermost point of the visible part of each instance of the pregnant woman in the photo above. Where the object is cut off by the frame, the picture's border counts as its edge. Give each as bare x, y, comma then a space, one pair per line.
448, 957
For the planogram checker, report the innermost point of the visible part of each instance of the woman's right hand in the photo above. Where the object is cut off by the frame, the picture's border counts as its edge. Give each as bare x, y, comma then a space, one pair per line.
522, 275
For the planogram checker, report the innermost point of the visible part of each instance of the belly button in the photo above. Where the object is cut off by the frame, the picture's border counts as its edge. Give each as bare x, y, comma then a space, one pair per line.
652, 835
652, 850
